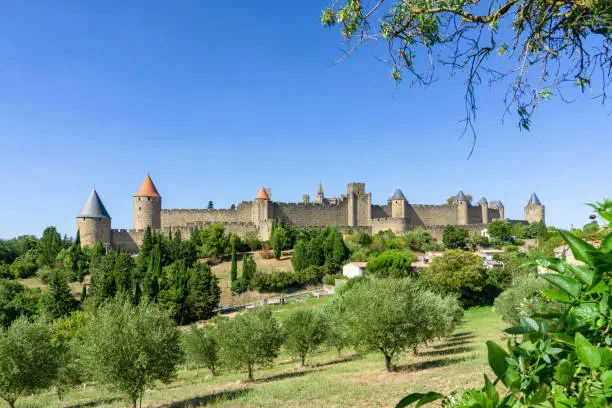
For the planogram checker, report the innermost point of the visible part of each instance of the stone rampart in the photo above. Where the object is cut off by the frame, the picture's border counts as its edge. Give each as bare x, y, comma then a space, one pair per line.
425, 215
130, 240
179, 217
381, 211
304, 215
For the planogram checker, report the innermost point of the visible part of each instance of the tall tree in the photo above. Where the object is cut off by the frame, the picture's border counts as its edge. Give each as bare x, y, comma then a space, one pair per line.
201, 347
204, 292
305, 330
455, 237
210, 205
548, 44
59, 302
49, 246
234, 266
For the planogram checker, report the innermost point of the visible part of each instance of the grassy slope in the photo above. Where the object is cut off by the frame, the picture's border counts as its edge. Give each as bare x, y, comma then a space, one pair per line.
354, 380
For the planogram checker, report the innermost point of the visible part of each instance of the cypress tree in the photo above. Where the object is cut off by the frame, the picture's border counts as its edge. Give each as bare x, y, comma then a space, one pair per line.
249, 267
137, 294
153, 274
234, 267
83, 293
60, 301
147, 243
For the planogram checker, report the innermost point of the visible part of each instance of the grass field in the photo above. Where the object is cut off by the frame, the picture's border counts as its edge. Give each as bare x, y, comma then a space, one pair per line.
352, 380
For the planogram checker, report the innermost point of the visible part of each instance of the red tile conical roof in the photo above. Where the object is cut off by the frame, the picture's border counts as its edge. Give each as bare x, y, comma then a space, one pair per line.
147, 189
262, 194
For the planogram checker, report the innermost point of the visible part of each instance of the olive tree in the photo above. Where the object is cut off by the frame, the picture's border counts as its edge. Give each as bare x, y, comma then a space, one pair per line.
389, 315
28, 359
250, 339
305, 330
338, 332
127, 347
201, 347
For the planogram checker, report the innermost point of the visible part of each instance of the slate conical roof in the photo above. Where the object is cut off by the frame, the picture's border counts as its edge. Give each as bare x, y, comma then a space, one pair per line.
497, 204
482, 201
398, 195
147, 189
534, 200
93, 207
263, 194
461, 196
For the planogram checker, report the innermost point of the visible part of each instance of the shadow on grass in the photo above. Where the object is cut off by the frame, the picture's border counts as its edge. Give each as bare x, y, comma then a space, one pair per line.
95, 403
446, 351
452, 343
208, 399
462, 334
339, 361
282, 376
424, 365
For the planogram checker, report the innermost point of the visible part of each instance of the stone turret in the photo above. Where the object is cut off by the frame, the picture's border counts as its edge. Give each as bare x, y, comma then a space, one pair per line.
534, 210
399, 204
461, 203
484, 207
94, 222
498, 205
320, 197
147, 206
261, 213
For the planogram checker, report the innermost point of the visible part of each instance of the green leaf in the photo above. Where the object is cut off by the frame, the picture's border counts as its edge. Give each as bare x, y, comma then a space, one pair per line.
580, 248
497, 359
491, 392
606, 380
606, 244
584, 274
422, 398
582, 316
569, 285
558, 295
587, 353
564, 372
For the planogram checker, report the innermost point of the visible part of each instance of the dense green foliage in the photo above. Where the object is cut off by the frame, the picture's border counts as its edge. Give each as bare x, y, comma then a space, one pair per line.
391, 264
455, 237
201, 348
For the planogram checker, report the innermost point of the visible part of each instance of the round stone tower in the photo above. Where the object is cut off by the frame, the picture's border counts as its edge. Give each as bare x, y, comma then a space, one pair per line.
484, 208
93, 222
461, 203
534, 210
147, 206
398, 204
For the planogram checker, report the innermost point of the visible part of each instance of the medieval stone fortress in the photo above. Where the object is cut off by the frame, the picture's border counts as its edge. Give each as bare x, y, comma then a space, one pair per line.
352, 211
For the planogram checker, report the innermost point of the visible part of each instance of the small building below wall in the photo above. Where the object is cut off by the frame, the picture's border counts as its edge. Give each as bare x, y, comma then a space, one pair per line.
354, 269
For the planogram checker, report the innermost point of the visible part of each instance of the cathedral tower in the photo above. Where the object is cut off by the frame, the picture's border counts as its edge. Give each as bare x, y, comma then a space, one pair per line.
534, 210
147, 206
93, 222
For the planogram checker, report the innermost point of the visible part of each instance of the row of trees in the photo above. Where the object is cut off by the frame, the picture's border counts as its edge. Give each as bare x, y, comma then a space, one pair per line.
126, 348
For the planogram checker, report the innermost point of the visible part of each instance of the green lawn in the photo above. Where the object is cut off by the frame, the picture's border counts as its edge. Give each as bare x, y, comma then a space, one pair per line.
352, 380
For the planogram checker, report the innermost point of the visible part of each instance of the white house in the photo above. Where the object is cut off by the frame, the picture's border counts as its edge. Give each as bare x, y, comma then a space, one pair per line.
353, 269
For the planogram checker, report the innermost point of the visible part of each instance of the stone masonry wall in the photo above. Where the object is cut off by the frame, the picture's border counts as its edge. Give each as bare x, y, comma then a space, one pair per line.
381, 211
305, 215
425, 215
181, 217
474, 215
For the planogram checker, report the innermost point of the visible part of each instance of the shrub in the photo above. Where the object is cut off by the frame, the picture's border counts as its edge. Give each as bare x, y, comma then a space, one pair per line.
23, 270
418, 239
251, 241
460, 272
391, 264
455, 237
330, 278
273, 281
310, 275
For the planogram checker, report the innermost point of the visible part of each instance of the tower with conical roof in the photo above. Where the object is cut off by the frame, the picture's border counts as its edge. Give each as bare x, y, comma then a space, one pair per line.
147, 206
320, 197
94, 222
399, 204
484, 208
534, 210
261, 213
462, 207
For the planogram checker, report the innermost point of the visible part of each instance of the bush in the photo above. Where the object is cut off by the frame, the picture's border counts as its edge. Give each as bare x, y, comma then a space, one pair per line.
455, 237
418, 239
251, 241
273, 281
391, 264
23, 270
310, 275
460, 272
523, 299
330, 278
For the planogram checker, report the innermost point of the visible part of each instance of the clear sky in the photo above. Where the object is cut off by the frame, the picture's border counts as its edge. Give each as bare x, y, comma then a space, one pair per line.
215, 99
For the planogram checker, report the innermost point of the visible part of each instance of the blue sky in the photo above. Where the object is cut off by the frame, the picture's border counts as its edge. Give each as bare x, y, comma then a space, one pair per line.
215, 99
